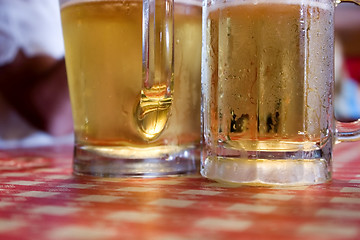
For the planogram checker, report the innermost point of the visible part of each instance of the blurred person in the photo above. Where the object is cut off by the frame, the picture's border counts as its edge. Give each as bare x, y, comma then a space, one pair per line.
34, 100
347, 26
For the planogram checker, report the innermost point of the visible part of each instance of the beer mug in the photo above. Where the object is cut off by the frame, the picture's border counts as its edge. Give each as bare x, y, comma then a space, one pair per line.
267, 85
134, 88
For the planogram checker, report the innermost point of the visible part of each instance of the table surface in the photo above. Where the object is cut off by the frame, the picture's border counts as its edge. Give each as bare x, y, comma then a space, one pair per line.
41, 199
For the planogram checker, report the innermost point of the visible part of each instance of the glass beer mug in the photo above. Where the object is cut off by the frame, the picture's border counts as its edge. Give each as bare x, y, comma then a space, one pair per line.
267, 85
134, 84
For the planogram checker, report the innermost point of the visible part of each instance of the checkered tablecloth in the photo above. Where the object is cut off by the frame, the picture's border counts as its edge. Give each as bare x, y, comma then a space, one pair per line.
41, 199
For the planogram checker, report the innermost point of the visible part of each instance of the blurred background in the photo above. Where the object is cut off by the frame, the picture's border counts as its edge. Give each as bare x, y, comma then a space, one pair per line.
347, 61
34, 101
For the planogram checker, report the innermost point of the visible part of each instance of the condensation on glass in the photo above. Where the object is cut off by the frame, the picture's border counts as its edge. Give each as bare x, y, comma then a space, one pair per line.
267, 85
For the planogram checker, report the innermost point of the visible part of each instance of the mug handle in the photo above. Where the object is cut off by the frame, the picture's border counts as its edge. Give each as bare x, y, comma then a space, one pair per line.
155, 99
354, 1
158, 45
348, 131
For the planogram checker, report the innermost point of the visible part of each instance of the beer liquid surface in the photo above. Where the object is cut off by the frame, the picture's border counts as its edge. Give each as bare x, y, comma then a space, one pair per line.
103, 43
269, 74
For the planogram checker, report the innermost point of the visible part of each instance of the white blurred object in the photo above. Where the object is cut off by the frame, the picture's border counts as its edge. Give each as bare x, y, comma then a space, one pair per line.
339, 62
33, 26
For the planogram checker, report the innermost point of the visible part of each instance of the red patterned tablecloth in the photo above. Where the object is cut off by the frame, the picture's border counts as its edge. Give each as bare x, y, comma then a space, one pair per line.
40, 199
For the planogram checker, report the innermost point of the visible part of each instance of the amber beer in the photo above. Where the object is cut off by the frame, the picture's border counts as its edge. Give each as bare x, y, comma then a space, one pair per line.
103, 45
267, 72
267, 82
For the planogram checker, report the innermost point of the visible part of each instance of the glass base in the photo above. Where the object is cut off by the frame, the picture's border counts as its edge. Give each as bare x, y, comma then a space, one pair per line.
111, 161
287, 172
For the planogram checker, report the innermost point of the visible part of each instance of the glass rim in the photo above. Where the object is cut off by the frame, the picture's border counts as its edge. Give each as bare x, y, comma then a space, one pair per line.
64, 3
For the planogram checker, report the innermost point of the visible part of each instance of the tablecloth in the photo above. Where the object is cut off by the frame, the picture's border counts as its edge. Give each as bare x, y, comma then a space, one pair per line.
41, 199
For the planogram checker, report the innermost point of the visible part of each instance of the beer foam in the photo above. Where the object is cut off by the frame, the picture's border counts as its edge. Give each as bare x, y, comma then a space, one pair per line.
323, 4
66, 3
190, 2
